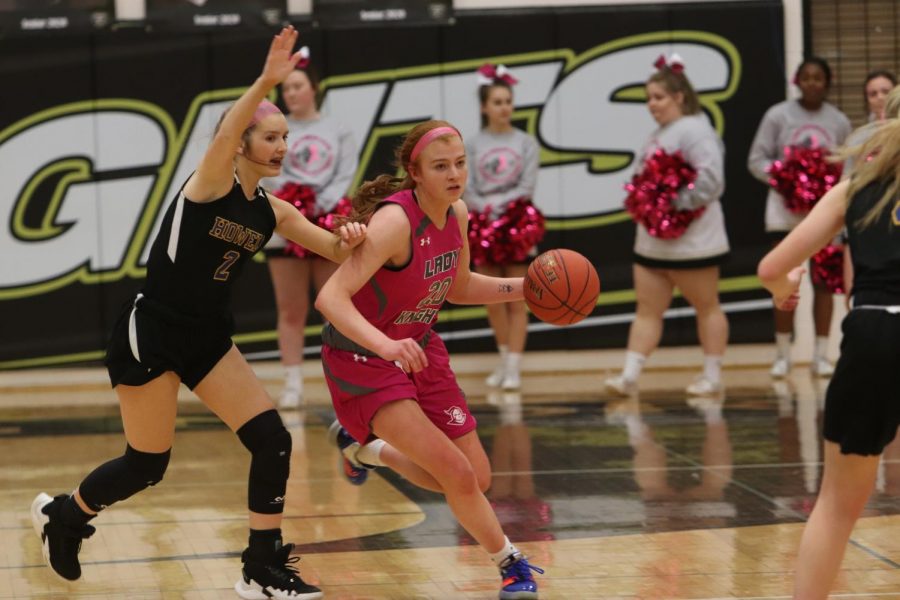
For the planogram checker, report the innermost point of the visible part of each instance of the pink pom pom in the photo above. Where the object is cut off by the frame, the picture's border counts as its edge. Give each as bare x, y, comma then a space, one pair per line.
652, 192
507, 239
803, 177
303, 198
338, 214
828, 268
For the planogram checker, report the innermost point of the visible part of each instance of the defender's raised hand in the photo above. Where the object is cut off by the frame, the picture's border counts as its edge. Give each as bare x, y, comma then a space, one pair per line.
281, 59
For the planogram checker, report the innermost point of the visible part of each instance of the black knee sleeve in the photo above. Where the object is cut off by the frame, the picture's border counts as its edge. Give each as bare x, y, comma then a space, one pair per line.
123, 477
269, 444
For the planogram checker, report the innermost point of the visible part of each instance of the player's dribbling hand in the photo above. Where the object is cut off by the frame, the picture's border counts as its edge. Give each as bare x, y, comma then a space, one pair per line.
788, 300
352, 235
281, 59
406, 353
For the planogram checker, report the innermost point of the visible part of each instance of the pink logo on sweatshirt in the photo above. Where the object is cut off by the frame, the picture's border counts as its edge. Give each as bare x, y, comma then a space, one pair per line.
500, 166
310, 155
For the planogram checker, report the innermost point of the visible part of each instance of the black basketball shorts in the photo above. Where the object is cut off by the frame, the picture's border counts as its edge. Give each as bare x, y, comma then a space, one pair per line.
149, 339
862, 405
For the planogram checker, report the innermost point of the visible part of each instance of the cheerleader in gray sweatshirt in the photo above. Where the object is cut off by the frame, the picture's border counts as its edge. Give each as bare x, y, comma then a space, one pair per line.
807, 121
503, 167
322, 156
689, 262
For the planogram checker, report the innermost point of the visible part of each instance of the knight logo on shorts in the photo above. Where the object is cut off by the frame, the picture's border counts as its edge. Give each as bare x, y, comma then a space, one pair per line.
457, 415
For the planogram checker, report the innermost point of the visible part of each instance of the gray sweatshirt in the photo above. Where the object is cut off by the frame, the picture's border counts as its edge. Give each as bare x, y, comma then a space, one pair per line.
789, 124
859, 137
502, 167
321, 154
702, 148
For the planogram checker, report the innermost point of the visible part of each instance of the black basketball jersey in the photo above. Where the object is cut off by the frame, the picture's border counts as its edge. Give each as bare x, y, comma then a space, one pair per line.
875, 249
201, 249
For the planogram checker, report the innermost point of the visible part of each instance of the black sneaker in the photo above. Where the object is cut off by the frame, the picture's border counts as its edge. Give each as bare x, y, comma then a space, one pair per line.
276, 578
60, 543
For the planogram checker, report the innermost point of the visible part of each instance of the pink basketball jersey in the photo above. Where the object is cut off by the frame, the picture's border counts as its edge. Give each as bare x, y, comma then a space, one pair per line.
404, 301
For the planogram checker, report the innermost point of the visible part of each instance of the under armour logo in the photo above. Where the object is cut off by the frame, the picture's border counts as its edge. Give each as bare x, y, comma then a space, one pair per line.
456, 414
424, 240
360, 358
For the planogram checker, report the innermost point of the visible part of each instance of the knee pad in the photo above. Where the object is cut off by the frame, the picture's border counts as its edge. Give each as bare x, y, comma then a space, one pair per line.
123, 477
270, 446
149, 466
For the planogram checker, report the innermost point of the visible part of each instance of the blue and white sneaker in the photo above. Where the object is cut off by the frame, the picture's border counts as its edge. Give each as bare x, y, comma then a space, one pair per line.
517, 579
355, 471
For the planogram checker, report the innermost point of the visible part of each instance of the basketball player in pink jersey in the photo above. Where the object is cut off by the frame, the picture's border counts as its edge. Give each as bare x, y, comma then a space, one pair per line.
388, 372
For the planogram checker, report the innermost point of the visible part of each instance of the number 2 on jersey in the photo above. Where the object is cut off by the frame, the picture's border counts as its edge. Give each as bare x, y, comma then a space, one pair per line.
222, 273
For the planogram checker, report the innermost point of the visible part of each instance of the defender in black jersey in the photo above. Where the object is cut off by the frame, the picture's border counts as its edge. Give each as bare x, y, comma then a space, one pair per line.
178, 330
862, 405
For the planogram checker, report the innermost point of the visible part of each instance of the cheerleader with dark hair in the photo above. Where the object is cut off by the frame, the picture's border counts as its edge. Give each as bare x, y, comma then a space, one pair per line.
807, 122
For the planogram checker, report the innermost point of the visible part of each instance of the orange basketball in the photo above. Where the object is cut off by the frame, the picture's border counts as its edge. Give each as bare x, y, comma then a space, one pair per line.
561, 287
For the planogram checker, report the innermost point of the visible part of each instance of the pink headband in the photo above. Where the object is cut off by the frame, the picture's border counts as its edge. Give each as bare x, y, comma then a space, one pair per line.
263, 110
428, 138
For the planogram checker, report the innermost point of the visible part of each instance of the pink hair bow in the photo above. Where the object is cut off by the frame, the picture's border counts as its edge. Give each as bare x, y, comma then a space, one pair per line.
304, 58
673, 61
489, 74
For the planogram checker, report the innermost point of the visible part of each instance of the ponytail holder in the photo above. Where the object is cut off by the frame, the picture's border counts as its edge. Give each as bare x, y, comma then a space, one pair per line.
674, 62
304, 58
489, 74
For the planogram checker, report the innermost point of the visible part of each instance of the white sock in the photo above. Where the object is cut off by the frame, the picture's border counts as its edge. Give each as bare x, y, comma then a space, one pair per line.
637, 430
503, 349
712, 414
821, 347
634, 363
293, 377
783, 345
712, 368
370, 454
504, 553
511, 364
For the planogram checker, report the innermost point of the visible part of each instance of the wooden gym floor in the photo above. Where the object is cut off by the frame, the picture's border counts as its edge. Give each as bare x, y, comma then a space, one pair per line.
660, 496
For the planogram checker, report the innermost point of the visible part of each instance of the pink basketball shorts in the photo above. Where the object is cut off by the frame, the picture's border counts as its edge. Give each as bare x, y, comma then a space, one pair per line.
360, 385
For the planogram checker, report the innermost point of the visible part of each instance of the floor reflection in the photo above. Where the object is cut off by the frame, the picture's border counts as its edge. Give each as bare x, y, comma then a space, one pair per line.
655, 496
